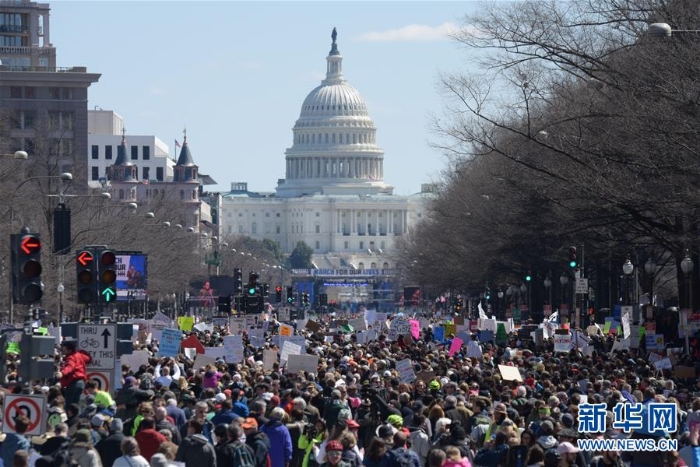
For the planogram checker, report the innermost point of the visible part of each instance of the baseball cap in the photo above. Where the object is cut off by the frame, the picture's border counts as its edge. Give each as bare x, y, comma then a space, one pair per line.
352, 424
220, 397
249, 424
334, 446
566, 448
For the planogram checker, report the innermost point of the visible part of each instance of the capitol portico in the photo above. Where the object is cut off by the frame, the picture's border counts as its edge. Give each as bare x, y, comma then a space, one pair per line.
333, 196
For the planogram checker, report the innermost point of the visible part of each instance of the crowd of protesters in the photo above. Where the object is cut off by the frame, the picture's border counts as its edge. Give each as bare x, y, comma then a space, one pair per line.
355, 410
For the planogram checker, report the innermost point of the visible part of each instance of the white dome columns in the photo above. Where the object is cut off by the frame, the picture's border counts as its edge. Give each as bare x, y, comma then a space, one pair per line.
334, 167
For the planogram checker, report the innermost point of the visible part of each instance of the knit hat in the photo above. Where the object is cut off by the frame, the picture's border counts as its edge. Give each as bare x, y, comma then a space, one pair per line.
82, 436
117, 426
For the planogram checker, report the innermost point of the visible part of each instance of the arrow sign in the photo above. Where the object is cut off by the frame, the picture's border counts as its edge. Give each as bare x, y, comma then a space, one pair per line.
30, 244
84, 258
106, 335
109, 294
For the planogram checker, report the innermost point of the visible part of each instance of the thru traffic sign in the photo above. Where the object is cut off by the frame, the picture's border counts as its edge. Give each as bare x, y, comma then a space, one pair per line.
99, 340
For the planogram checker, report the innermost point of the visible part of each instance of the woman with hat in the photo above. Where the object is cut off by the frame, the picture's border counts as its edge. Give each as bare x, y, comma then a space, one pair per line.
82, 452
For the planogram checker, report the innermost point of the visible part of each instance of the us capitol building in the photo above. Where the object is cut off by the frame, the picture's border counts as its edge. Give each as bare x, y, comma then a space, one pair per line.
334, 197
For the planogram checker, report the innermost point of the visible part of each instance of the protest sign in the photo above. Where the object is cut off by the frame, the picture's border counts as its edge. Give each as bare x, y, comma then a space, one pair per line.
269, 359
562, 342
313, 326
215, 352
237, 324
289, 348
415, 328
439, 334
399, 327
135, 359
202, 360
286, 330
170, 342
455, 346
405, 369
190, 352
663, 364
297, 364
510, 373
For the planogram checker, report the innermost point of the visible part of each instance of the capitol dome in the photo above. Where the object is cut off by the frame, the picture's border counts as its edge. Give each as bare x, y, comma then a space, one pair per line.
334, 147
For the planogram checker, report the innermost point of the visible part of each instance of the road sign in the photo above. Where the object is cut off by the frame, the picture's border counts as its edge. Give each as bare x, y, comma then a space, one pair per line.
102, 378
33, 407
582, 285
100, 341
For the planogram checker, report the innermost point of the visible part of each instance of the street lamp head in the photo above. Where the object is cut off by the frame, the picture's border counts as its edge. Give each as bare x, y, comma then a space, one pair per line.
21, 155
60, 288
687, 264
563, 279
150, 215
660, 30
650, 266
66, 176
178, 226
132, 206
547, 282
105, 195
523, 288
190, 229
166, 224
628, 267
500, 294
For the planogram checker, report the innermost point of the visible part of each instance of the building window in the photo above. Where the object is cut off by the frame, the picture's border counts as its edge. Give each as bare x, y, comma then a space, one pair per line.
254, 228
108, 153
361, 266
373, 266
362, 247
278, 214
146, 173
347, 245
159, 174
385, 266
267, 214
29, 119
95, 151
278, 229
29, 92
16, 92
318, 214
182, 194
382, 245
67, 93
55, 93
318, 245
95, 173
134, 153
194, 194
121, 194
146, 153
240, 229
318, 228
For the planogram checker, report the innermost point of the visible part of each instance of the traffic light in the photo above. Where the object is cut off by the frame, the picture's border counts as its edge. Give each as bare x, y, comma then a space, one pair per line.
323, 299
278, 294
107, 265
252, 283
237, 281
573, 258
528, 277
305, 299
266, 290
87, 277
26, 265
290, 295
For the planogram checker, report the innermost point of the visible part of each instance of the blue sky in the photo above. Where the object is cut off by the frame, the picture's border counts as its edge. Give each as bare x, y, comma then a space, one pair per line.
236, 73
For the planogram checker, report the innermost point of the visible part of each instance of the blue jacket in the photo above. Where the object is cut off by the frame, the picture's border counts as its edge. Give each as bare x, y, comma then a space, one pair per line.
13, 443
224, 416
241, 409
280, 442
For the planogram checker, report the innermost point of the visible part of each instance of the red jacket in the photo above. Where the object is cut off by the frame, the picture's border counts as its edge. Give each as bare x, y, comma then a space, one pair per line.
149, 441
74, 367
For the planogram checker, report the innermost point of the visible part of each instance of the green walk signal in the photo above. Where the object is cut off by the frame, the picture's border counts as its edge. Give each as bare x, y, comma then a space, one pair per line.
109, 294
528, 278
572, 264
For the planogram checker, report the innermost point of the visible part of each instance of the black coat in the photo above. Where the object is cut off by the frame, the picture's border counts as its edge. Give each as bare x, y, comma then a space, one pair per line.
109, 448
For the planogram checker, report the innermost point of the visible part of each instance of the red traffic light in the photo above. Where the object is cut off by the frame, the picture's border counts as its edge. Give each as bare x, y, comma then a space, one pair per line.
84, 258
108, 258
30, 245
278, 289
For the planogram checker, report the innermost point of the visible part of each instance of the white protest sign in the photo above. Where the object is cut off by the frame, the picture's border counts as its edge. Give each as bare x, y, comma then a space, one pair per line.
135, 359
203, 360
190, 352
299, 363
358, 324
562, 343
663, 364
366, 336
399, 327
234, 349
510, 373
626, 325
237, 324
289, 348
405, 369
215, 352
269, 359
371, 316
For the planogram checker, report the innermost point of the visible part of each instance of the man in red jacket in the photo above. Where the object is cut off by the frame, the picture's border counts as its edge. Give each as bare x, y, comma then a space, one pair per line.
73, 373
148, 438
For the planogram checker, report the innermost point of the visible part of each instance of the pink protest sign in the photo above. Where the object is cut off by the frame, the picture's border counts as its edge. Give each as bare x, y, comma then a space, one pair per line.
455, 346
415, 328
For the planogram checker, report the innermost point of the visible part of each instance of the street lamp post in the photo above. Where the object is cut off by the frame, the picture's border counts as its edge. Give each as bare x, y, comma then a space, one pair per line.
650, 269
628, 269
60, 289
548, 286
687, 267
563, 280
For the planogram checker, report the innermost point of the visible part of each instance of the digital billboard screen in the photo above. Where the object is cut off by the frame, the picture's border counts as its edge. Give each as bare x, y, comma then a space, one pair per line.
132, 277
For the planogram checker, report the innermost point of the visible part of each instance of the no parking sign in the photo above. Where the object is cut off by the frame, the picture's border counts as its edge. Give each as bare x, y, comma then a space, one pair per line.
31, 406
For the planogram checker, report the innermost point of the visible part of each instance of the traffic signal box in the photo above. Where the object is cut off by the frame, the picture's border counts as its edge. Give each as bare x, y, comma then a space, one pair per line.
26, 268
290, 295
86, 269
252, 283
237, 281
107, 284
278, 294
573, 257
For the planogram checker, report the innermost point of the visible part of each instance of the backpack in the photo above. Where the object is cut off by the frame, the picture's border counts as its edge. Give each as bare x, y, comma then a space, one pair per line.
244, 456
